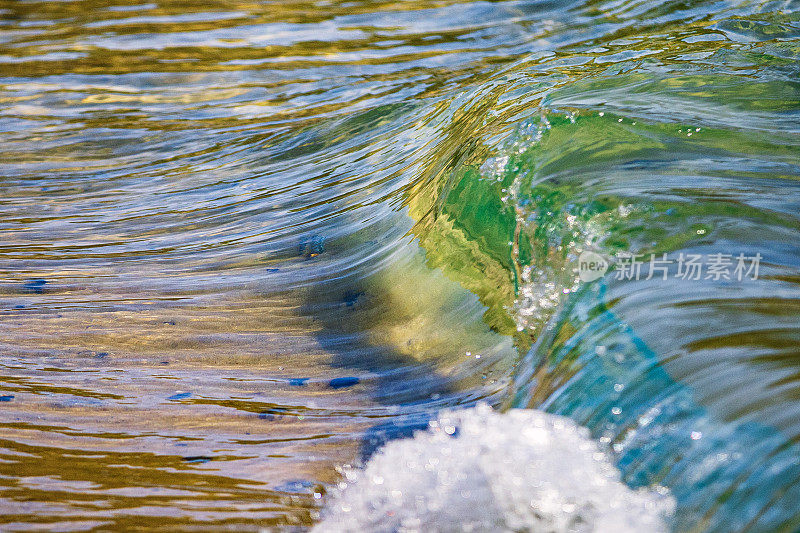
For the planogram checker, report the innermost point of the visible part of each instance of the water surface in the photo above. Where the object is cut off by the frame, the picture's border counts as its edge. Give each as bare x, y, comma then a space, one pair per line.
243, 243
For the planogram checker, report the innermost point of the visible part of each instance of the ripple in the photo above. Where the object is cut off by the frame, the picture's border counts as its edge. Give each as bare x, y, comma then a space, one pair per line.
244, 243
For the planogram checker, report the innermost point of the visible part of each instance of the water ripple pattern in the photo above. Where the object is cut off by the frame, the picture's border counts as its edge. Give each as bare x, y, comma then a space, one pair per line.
242, 243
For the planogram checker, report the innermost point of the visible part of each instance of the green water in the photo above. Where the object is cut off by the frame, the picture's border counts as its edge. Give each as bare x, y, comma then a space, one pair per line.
244, 243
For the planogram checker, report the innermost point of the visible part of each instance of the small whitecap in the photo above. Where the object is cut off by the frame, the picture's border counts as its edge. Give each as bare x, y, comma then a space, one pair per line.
524, 470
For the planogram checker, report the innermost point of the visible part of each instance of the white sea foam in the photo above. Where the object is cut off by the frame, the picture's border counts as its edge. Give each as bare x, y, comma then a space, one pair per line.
479, 470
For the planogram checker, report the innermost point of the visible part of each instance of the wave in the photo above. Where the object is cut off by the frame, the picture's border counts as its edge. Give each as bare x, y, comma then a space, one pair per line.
245, 242
688, 382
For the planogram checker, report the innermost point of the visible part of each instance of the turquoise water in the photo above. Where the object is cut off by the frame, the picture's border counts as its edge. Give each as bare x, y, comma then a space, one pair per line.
244, 243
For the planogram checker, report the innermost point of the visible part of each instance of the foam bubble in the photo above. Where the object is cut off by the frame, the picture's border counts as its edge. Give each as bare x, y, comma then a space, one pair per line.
479, 470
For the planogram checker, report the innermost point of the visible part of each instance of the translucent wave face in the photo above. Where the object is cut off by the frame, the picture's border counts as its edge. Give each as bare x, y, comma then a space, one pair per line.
691, 381
479, 470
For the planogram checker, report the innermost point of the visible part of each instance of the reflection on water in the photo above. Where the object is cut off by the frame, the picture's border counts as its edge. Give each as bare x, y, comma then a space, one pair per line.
243, 243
